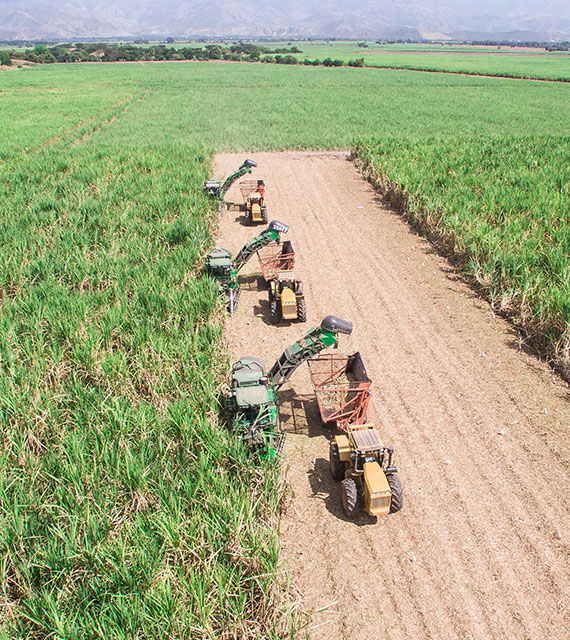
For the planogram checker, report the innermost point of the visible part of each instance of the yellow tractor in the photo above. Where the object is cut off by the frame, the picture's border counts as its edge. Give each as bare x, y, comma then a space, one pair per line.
366, 471
286, 298
253, 192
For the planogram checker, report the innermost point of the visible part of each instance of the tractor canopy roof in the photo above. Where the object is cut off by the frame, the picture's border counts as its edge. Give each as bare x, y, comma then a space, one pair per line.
219, 258
252, 396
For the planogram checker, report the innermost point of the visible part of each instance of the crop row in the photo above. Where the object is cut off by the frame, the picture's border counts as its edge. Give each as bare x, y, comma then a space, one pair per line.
501, 206
125, 509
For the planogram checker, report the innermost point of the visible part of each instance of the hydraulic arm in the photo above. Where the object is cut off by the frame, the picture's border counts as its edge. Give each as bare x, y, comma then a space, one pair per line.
217, 190
268, 235
314, 342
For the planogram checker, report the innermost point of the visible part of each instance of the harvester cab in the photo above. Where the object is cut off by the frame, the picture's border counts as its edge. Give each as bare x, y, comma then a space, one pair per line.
216, 189
253, 193
220, 265
286, 298
251, 404
367, 472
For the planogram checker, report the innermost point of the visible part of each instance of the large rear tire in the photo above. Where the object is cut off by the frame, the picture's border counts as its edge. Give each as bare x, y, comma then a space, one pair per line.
264, 215
397, 501
275, 310
338, 467
349, 497
302, 310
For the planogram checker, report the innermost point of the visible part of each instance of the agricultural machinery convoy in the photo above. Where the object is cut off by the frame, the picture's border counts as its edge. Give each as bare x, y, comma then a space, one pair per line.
358, 459
224, 269
251, 405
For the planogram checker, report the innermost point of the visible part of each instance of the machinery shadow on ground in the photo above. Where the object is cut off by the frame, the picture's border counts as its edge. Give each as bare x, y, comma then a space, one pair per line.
328, 490
263, 311
300, 414
253, 283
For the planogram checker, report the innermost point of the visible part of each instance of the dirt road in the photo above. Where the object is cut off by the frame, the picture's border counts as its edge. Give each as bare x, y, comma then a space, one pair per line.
480, 428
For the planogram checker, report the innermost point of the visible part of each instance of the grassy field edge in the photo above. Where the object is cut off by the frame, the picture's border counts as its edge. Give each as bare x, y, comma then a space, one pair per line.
127, 509
532, 294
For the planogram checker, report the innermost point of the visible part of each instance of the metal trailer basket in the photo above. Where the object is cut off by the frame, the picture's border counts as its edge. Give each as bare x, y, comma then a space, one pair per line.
342, 388
248, 187
274, 258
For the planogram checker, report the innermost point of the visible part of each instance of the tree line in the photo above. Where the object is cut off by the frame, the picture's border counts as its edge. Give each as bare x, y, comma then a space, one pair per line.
106, 52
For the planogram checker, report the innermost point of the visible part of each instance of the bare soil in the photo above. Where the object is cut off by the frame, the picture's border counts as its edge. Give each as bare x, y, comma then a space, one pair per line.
480, 427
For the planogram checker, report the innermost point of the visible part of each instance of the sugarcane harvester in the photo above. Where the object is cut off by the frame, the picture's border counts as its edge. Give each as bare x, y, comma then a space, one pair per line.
224, 269
217, 189
251, 405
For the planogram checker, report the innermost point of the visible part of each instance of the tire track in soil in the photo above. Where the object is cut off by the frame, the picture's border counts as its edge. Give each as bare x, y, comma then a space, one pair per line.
481, 547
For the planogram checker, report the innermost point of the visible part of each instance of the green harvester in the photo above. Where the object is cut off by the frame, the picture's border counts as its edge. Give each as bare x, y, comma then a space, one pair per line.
251, 405
220, 265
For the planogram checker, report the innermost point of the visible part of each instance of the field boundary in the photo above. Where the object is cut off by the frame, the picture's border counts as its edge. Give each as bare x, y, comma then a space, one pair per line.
399, 200
468, 73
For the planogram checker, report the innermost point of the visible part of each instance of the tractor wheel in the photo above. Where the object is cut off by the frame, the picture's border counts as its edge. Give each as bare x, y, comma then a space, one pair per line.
248, 216
275, 309
338, 467
349, 497
397, 501
302, 310
264, 215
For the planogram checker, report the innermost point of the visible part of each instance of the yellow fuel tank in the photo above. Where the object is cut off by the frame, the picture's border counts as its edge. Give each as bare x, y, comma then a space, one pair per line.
377, 494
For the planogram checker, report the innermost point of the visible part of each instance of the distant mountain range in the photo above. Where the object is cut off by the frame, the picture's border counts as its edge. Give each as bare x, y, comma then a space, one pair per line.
370, 19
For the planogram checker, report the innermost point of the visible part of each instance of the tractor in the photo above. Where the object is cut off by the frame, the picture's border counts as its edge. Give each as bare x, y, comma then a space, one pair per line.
220, 265
286, 298
253, 192
366, 471
217, 190
251, 406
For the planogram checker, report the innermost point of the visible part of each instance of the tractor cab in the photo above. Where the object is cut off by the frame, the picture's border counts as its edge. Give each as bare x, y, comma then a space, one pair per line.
219, 263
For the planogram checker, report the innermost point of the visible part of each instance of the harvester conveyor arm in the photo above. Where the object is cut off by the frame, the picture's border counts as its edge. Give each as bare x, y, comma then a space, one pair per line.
245, 167
268, 235
314, 342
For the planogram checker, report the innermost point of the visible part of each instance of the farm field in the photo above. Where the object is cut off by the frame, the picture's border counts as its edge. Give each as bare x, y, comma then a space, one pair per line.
510, 233
475, 60
113, 354
475, 552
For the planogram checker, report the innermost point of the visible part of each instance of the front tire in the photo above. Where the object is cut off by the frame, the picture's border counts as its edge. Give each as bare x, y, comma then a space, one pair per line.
397, 501
349, 497
338, 467
302, 310
275, 310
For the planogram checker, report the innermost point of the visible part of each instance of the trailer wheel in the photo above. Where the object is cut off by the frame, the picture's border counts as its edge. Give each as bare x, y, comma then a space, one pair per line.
302, 310
397, 501
338, 467
275, 310
264, 215
349, 497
